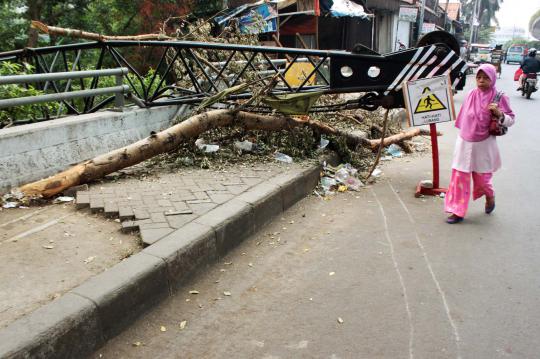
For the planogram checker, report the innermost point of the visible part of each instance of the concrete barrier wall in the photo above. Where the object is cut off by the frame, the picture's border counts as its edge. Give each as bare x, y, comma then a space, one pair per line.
31, 152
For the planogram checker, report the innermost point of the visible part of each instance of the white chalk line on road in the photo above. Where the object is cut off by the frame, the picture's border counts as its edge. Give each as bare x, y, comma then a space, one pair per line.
401, 281
35, 229
433, 276
22, 218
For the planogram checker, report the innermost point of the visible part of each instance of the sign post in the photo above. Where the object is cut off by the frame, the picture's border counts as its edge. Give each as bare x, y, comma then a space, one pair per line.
428, 102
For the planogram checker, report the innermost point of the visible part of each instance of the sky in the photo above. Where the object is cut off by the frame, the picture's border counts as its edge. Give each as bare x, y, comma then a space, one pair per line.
517, 12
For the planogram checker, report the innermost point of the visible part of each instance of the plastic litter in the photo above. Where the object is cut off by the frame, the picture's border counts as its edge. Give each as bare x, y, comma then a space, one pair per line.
342, 174
340, 178
63, 199
323, 143
244, 145
283, 157
376, 172
211, 148
426, 183
11, 205
354, 183
203, 146
394, 150
328, 182
200, 143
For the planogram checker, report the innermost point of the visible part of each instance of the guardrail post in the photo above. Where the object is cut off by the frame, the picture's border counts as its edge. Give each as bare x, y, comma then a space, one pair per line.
119, 96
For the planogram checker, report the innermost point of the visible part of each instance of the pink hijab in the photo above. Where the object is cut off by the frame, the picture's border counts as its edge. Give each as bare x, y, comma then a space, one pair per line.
474, 117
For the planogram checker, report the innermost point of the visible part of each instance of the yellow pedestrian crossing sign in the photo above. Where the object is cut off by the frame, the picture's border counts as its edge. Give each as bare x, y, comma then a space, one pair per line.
429, 102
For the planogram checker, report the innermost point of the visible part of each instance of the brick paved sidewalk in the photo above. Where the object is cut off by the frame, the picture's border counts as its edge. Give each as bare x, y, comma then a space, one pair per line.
158, 205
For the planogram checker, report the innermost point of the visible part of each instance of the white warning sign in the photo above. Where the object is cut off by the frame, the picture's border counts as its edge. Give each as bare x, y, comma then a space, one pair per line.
429, 101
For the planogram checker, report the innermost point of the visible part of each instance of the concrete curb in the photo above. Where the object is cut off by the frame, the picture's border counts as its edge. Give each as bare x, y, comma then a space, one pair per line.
81, 321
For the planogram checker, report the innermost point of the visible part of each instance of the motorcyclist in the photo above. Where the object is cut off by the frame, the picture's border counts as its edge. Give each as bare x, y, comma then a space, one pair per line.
529, 65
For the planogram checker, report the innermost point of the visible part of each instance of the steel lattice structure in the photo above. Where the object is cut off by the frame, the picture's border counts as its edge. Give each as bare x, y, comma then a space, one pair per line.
188, 72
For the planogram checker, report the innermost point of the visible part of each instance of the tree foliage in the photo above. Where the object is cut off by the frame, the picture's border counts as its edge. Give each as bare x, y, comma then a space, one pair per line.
483, 36
29, 112
486, 14
111, 17
14, 25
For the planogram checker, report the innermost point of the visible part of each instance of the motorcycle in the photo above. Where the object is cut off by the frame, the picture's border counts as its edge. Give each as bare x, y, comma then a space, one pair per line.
529, 85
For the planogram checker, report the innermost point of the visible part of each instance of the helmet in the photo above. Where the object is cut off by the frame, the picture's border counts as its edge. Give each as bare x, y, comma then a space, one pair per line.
532, 52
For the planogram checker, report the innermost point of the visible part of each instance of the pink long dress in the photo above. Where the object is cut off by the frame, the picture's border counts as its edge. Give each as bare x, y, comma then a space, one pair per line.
476, 152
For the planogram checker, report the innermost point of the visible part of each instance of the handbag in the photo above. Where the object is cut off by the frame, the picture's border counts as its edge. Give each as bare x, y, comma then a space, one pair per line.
496, 128
517, 74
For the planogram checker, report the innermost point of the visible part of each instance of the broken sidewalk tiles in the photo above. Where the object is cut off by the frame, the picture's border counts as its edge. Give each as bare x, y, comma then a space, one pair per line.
178, 222
251, 180
111, 209
196, 201
128, 226
125, 213
140, 214
177, 213
180, 206
202, 208
152, 235
220, 197
83, 199
237, 189
96, 204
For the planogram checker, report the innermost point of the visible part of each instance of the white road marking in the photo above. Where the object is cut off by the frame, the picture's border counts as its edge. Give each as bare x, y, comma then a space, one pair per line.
396, 267
433, 276
35, 229
22, 218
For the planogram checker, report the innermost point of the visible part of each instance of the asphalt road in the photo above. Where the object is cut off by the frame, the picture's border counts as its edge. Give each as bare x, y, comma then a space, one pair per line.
373, 274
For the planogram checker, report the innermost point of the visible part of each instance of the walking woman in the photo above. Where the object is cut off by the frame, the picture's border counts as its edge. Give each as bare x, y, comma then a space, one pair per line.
476, 153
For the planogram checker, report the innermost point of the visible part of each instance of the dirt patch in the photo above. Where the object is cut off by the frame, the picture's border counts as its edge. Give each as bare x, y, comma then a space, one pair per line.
46, 251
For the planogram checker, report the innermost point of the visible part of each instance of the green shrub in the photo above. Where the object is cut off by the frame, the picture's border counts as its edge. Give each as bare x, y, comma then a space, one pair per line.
21, 113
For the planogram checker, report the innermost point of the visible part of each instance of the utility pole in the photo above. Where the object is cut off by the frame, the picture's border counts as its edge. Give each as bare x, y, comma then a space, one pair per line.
445, 13
420, 20
473, 20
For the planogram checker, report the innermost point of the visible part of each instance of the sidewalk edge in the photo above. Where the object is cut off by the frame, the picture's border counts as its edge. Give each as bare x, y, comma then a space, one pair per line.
102, 306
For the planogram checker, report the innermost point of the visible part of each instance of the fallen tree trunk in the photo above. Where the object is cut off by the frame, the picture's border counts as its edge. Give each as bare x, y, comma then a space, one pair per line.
169, 140
61, 31
404, 135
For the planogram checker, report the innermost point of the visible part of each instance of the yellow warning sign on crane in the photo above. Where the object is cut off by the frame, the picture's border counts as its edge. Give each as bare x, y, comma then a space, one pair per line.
429, 102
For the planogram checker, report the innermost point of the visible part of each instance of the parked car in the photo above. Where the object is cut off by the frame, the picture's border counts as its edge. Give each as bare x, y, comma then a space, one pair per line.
516, 53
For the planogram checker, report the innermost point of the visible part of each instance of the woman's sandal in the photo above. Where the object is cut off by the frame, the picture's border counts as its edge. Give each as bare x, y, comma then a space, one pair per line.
453, 219
490, 207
